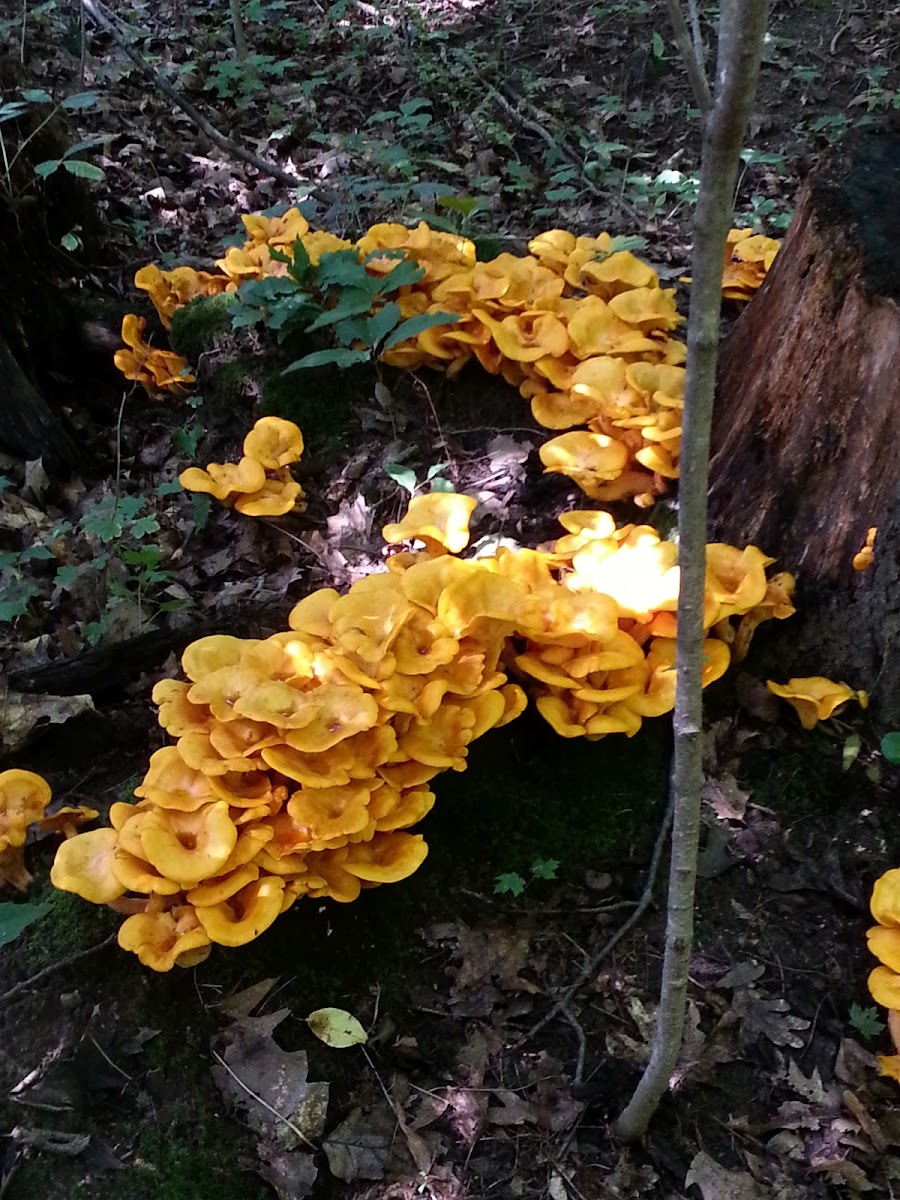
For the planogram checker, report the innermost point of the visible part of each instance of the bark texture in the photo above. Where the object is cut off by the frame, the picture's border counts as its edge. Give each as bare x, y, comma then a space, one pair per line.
807, 424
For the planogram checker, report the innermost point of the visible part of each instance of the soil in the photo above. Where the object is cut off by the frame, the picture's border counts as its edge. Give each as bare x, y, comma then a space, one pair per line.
107, 1070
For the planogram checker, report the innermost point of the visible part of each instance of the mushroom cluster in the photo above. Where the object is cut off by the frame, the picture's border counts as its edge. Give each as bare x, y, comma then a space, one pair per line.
580, 327
748, 257
884, 944
815, 698
301, 760
596, 675
260, 485
23, 798
154, 369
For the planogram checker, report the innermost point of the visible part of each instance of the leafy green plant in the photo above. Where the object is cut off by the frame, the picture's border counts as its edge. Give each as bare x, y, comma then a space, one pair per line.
243, 80
513, 884
866, 1021
12, 110
339, 297
406, 478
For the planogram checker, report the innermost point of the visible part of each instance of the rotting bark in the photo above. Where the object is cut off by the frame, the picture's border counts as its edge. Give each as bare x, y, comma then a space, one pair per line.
807, 424
741, 32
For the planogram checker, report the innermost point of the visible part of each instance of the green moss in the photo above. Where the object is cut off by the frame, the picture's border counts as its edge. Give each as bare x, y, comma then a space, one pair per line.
70, 925
234, 381
322, 401
202, 326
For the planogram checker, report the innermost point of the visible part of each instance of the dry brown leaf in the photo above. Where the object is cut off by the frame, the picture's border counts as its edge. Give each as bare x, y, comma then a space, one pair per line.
718, 1183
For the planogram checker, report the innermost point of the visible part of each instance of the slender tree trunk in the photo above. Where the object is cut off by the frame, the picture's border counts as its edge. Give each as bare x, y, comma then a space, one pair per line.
240, 37
741, 31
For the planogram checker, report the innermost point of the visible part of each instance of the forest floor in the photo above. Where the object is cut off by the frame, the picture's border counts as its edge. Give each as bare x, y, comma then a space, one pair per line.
485, 1073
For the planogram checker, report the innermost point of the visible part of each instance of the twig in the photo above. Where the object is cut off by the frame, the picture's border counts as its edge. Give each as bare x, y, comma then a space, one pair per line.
268, 1107
697, 33
582, 1044
26, 984
609, 945
95, 11
691, 54
240, 37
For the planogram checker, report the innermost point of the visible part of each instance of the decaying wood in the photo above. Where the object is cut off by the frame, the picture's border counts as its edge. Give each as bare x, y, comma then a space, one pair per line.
807, 424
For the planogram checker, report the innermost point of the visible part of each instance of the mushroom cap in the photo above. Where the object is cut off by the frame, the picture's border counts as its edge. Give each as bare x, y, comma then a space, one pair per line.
65, 820
331, 812
588, 458
171, 783
209, 654
398, 810
84, 865
274, 442
814, 698
470, 602
222, 480
310, 615
279, 494
387, 858
23, 798
884, 986
188, 847
885, 902
440, 519
176, 713
223, 887
163, 940
245, 915
136, 875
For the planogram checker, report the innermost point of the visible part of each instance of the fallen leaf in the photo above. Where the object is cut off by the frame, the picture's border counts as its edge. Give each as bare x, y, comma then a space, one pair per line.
268, 1085
718, 1183
336, 1028
356, 1150
727, 800
772, 1019
21, 714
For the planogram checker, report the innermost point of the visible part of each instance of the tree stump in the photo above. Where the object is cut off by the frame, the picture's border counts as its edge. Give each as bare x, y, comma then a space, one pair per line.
806, 434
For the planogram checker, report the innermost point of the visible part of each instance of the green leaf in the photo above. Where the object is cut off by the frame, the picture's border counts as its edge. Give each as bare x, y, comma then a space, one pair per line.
440, 484
144, 526
70, 242
381, 324
890, 748
200, 509
465, 205
404, 477
37, 551
36, 96
169, 488
79, 101
14, 918
340, 268
659, 47
324, 358
65, 577
511, 883
435, 469
336, 1028
545, 868
406, 272
43, 169
84, 170
413, 326
5, 482
353, 302
851, 749
866, 1021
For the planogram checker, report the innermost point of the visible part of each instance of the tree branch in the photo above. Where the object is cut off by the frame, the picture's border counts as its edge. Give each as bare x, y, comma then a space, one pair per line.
691, 55
741, 33
99, 16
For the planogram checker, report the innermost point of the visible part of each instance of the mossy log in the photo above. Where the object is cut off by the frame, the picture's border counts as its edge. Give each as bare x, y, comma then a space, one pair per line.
807, 424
